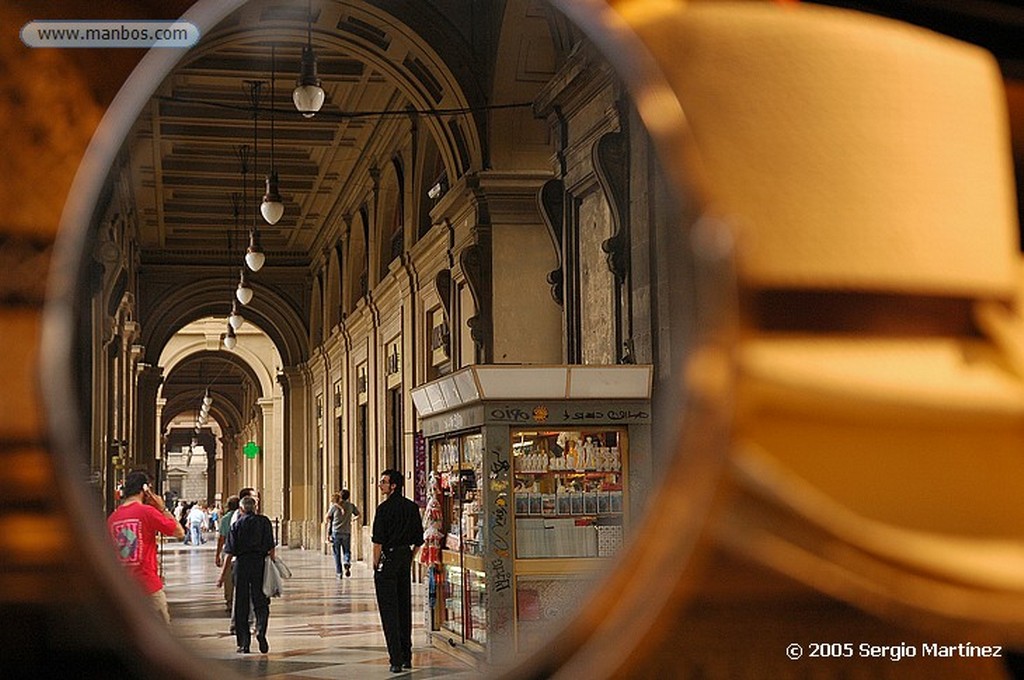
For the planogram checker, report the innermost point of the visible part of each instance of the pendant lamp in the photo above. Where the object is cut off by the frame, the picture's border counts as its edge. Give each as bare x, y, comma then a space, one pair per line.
272, 207
308, 96
229, 338
236, 320
254, 255
243, 293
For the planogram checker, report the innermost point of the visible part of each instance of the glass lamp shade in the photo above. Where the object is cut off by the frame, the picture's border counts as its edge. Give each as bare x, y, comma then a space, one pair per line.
208, 400
254, 259
272, 207
308, 96
235, 319
204, 411
230, 341
243, 293
308, 99
254, 256
272, 211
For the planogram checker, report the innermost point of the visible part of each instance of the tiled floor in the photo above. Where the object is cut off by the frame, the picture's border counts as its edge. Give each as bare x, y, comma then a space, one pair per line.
320, 628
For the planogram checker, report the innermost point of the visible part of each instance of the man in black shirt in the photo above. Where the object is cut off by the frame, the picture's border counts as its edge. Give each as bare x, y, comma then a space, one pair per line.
250, 541
397, 535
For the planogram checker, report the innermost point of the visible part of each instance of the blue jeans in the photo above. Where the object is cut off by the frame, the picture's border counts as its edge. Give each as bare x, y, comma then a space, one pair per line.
341, 543
196, 532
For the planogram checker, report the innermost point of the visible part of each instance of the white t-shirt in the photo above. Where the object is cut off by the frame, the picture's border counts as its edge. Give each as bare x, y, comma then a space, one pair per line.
196, 515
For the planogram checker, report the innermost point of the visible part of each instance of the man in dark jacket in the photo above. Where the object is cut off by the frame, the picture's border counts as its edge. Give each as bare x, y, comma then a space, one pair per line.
250, 541
397, 535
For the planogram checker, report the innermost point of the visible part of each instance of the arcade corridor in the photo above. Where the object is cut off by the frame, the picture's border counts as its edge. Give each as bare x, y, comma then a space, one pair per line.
777, 243
320, 628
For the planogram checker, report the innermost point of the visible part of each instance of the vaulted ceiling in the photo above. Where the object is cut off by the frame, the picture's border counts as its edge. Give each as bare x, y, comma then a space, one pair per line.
378, 59
185, 150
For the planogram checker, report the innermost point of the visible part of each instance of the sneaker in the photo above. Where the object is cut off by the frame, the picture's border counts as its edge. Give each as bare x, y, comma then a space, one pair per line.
264, 645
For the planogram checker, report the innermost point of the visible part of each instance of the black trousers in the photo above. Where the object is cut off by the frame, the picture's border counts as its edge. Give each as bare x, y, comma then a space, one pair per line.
394, 600
249, 587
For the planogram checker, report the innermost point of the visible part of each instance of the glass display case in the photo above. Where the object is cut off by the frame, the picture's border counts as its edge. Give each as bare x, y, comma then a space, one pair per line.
568, 492
458, 461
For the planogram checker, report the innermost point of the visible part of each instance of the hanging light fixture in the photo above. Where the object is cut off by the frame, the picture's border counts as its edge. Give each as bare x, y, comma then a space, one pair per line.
308, 95
272, 207
254, 257
243, 293
229, 338
235, 319
207, 399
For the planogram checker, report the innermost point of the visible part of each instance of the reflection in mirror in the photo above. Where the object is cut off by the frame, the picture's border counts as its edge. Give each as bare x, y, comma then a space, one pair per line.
491, 237
439, 219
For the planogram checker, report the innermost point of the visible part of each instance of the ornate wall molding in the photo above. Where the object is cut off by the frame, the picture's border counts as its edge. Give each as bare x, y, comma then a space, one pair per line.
552, 209
611, 162
475, 260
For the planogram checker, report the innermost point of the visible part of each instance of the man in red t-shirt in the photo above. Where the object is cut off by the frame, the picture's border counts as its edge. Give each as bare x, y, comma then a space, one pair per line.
133, 527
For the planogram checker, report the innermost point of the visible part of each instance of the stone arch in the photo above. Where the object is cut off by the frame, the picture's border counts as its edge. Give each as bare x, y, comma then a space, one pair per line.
241, 356
332, 292
358, 269
316, 312
518, 139
175, 306
390, 215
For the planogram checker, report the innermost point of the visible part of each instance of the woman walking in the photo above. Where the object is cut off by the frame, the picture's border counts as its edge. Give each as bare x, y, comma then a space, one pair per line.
339, 523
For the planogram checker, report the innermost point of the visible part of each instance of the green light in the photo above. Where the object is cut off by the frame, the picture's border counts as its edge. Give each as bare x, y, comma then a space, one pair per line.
250, 449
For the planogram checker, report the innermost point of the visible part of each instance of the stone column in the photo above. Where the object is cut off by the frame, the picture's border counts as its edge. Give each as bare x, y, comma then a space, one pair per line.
147, 438
295, 473
273, 461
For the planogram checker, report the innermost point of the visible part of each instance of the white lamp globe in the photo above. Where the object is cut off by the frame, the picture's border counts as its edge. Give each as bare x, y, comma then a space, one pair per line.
272, 211
243, 293
308, 99
254, 259
272, 207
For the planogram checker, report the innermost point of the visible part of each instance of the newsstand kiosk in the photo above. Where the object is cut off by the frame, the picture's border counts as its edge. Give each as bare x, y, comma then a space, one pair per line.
528, 494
